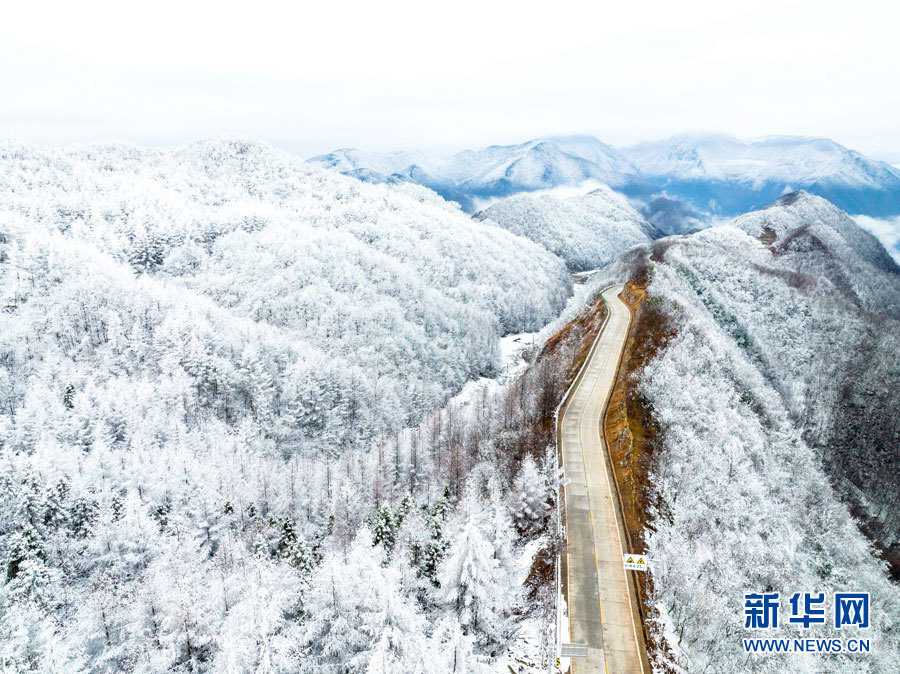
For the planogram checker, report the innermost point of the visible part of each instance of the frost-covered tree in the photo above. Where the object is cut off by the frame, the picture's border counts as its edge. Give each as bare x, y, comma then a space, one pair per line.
472, 583
530, 498
356, 612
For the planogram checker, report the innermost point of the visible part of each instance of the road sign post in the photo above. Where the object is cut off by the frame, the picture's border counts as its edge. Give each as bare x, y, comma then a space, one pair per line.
635, 562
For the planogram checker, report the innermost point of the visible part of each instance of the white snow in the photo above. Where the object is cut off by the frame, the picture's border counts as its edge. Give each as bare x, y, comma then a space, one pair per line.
587, 231
796, 160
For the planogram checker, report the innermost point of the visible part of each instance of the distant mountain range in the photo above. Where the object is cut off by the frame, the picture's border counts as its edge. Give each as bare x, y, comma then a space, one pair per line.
676, 181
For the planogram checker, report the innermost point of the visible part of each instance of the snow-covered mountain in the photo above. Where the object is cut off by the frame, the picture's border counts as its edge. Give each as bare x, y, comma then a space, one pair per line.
495, 171
605, 156
710, 174
189, 339
772, 401
394, 167
817, 237
586, 231
500, 170
727, 176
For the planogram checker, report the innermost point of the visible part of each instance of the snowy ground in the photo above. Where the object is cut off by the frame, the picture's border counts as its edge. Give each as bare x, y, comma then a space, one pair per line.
525, 657
513, 348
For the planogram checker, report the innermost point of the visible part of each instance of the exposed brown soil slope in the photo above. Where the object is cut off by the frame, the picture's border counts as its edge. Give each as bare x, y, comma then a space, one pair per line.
557, 365
632, 435
575, 338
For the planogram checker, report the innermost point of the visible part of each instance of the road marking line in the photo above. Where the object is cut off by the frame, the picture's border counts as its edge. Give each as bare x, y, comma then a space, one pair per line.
618, 537
604, 341
605, 471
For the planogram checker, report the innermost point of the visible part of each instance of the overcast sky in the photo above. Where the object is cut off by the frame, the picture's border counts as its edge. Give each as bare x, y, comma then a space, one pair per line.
439, 77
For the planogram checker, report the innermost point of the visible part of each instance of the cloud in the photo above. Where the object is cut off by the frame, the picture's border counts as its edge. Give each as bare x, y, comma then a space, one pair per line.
887, 230
560, 192
404, 74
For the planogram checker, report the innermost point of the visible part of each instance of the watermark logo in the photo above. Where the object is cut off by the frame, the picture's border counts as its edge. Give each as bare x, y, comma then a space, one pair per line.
851, 608
848, 609
805, 611
761, 610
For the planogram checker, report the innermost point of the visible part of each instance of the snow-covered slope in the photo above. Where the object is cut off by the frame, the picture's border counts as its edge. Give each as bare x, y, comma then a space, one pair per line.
728, 175
775, 396
204, 356
586, 231
771, 411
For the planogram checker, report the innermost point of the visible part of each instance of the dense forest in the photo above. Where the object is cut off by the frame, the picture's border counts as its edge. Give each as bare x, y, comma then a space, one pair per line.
217, 374
780, 433
587, 231
260, 417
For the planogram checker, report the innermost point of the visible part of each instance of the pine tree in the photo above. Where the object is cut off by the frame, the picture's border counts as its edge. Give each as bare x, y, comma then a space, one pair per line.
82, 515
183, 606
384, 527
531, 499
499, 532
30, 582
261, 389
355, 611
53, 504
470, 586
69, 397
22, 547
437, 544
300, 556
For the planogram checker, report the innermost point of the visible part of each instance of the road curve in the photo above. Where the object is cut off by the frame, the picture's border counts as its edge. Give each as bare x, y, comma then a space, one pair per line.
601, 601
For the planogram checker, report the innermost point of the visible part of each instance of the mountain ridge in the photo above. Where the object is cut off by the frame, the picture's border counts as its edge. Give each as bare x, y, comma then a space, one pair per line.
586, 231
715, 174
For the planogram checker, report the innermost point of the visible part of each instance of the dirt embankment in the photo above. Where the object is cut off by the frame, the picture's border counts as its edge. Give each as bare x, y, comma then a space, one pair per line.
552, 372
574, 339
632, 434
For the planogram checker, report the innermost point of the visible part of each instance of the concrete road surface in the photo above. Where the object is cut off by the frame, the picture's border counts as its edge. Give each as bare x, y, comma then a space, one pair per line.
601, 600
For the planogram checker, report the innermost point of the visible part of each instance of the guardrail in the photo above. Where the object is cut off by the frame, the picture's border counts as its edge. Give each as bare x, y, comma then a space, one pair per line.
561, 472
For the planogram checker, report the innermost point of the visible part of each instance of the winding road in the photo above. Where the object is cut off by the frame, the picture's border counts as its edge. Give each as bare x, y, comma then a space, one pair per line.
602, 604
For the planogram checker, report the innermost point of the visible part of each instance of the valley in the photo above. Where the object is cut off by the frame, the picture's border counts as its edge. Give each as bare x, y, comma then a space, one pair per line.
257, 414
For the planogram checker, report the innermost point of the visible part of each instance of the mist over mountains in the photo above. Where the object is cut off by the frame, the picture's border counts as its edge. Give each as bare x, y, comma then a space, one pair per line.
677, 182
